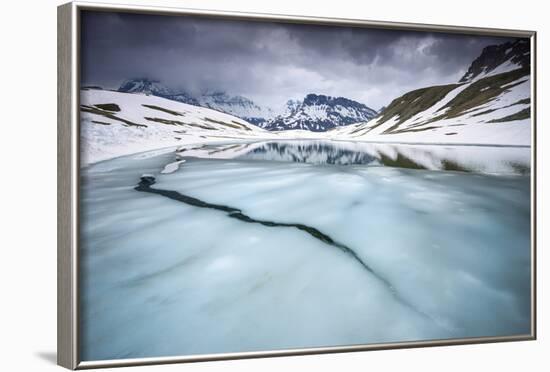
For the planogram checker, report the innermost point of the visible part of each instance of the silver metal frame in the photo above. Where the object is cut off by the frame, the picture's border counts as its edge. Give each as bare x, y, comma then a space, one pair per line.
68, 181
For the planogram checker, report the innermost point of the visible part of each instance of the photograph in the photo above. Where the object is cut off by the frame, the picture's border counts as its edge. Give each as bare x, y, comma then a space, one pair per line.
261, 185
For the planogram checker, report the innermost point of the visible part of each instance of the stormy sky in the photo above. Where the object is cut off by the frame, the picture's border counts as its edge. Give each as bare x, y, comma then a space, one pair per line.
271, 63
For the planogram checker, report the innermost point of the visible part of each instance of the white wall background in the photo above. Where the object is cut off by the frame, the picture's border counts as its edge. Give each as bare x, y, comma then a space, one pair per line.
28, 187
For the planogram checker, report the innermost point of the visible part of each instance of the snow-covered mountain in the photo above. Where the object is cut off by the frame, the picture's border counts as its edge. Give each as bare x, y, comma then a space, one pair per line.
319, 113
489, 105
496, 59
145, 86
315, 113
238, 106
116, 123
155, 88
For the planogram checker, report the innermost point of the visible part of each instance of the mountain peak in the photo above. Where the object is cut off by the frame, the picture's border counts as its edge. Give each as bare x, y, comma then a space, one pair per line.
316, 99
144, 85
318, 113
495, 59
292, 105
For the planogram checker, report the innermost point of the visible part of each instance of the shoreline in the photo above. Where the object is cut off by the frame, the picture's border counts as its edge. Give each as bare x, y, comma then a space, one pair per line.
167, 148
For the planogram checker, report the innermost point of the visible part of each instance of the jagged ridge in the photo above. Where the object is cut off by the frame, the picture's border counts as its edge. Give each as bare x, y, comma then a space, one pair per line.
319, 113
508, 56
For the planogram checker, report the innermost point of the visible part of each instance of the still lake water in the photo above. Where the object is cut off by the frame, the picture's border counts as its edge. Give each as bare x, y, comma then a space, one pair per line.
275, 245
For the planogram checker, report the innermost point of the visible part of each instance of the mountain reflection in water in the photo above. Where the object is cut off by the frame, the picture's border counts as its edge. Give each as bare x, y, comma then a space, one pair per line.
479, 159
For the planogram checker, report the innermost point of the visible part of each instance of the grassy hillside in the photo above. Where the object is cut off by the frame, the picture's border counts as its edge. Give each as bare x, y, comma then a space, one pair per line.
414, 102
467, 102
481, 92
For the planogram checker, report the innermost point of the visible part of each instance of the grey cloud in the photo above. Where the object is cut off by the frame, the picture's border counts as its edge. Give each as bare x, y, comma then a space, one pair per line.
271, 62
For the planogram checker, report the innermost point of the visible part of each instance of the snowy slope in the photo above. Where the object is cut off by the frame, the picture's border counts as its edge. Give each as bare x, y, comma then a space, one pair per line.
492, 110
238, 106
114, 124
490, 104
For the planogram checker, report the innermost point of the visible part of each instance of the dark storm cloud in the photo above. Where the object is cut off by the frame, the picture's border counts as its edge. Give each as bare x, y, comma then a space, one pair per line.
271, 62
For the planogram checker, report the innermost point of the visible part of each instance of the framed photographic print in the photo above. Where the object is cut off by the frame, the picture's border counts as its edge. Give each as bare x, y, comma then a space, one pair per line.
237, 185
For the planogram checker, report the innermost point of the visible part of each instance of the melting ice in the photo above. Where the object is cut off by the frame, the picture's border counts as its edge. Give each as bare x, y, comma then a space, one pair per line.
444, 231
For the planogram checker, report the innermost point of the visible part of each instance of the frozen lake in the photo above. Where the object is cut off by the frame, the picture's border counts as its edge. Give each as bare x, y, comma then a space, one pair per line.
274, 245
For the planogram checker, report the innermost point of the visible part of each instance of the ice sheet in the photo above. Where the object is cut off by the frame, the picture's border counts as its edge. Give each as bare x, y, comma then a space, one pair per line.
448, 252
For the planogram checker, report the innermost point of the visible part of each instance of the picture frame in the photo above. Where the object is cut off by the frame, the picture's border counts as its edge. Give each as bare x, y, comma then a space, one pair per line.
69, 182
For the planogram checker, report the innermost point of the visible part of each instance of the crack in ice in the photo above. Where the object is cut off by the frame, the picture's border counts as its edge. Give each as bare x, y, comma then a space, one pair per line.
148, 180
